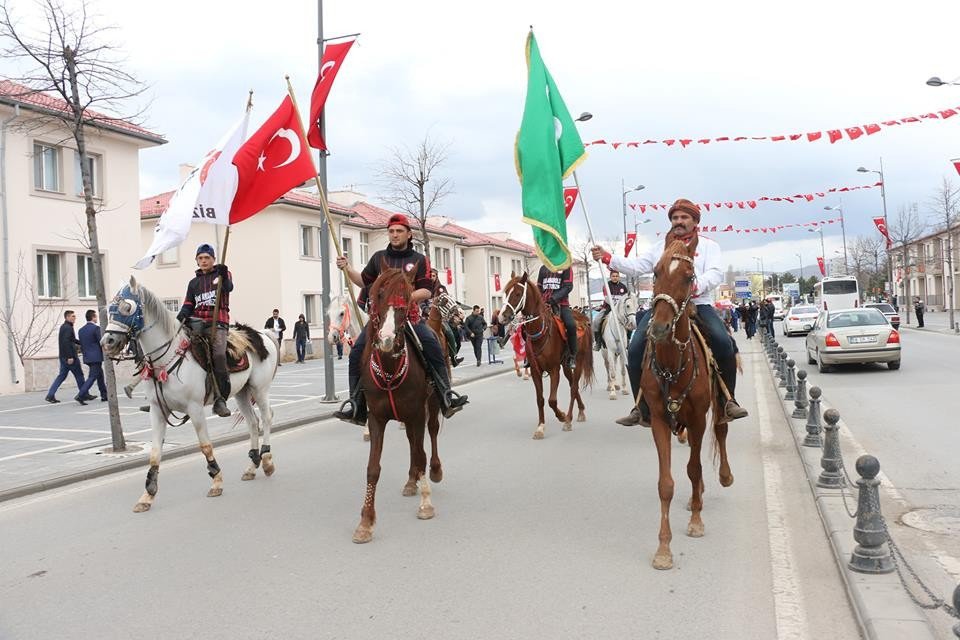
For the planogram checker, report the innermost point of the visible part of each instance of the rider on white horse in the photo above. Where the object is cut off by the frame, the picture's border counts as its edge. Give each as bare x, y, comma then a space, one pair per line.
199, 303
453, 346
617, 290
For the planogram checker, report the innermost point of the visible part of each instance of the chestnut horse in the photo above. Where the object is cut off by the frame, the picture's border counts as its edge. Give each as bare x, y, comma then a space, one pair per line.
546, 348
396, 385
677, 384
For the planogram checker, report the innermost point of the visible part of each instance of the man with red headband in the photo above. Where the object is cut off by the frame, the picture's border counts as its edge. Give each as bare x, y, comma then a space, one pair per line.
399, 254
684, 218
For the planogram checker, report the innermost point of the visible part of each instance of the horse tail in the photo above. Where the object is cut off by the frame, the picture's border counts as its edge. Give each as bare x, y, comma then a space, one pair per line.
585, 360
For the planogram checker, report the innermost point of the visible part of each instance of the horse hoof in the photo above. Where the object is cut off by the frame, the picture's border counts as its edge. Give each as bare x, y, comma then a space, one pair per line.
581, 417
248, 475
140, 507
215, 492
436, 475
268, 466
726, 481
409, 489
624, 392
426, 513
362, 535
538, 434
366, 436
612, 396
695, 530
663, 561
567, 426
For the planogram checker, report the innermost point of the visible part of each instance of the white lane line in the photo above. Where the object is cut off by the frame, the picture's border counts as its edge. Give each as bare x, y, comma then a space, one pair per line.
33, 406
47, 450
27, 439
6, 426
787, 599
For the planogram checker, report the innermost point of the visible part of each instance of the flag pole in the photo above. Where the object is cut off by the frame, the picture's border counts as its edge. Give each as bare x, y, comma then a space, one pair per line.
323, 203
593, 243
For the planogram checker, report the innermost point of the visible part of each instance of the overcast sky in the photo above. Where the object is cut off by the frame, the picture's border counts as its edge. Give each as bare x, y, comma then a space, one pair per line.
645, 70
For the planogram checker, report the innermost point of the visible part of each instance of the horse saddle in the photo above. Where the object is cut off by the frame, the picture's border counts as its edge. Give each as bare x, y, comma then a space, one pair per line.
563, 330
237, 346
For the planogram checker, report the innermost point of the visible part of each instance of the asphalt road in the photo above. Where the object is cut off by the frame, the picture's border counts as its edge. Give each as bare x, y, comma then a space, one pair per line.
532, 539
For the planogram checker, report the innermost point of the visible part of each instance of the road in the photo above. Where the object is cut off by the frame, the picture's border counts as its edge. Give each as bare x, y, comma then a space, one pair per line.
907, 419
532, 539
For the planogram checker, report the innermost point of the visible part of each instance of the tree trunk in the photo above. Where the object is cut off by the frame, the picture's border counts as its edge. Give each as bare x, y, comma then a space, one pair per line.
116, 428
423, 225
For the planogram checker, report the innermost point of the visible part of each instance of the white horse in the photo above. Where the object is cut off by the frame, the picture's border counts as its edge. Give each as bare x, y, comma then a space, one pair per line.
177, 383
622, 318
342, 326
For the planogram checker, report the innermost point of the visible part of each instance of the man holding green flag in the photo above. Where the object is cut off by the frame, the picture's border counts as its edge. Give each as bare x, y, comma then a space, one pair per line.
548, 150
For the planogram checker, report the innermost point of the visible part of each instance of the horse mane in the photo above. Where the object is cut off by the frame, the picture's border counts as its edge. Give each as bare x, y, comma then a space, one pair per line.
156, 308
389, 279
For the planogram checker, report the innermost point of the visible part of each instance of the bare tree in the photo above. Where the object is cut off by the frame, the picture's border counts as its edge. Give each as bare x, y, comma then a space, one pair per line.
865, 256
30, 320
410, 184
580, 250
943, 205
906, 228
74, 60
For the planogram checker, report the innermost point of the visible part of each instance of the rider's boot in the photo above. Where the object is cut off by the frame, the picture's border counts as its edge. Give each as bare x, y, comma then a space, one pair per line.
223, 392
731, 408
572, 348
639, 415
597, 340
354, 408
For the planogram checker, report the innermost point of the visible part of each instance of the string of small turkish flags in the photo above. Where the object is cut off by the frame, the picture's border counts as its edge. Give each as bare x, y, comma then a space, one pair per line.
833, 135
752, 204
770, 229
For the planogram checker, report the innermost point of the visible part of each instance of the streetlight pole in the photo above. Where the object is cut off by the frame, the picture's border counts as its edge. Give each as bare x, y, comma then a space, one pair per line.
823, 252
843, 230
625, 191
762, 290
883, 196
800, 277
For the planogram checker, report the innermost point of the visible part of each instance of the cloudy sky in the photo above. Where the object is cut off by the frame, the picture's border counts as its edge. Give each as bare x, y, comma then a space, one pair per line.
645, 70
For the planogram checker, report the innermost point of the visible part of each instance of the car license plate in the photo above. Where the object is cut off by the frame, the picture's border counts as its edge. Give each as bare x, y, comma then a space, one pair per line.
862, 339
806, 327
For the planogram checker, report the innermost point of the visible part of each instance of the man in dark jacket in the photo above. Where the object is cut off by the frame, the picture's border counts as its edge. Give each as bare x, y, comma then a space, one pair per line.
276, 324
556, 287
89, 335
475, 325
617, 290
199, 303
301, 333
67, 351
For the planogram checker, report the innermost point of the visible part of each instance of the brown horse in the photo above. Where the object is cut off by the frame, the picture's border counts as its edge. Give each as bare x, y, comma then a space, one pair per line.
545, 348
677, 384
396, 386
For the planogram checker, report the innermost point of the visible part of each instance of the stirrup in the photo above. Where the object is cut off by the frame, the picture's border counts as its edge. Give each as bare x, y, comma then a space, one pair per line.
350, 415
451, 402
734, 411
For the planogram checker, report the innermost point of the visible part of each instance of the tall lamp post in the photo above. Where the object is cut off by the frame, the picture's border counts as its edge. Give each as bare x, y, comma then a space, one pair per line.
762, 290
883, 197
843, 230
800, 277
625, 191
823, 252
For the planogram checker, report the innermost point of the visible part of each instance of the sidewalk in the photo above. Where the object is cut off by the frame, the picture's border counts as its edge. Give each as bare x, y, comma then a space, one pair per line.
936, 321
44, 446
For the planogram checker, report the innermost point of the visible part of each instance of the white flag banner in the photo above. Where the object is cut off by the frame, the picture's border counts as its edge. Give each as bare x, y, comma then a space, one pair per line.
205, 196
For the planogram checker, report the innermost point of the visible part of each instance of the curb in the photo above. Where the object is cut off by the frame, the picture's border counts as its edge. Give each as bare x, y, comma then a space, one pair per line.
945, 332
137, 462
882, 607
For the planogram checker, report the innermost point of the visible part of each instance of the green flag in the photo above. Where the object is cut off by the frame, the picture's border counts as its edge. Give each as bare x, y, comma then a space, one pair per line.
548, 149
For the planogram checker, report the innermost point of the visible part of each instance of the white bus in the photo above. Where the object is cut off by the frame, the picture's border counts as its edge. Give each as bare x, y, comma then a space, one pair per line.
839, 292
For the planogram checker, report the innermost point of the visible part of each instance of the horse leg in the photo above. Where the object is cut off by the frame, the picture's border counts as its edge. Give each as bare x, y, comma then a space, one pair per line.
552, 400
410, 488
720, 433
262, 396
663, 559
368, 513
624, 383
433, 425
538, 384
206, 447
253, 424
695, 473
159, 428
425, 511
568, 418
610, 364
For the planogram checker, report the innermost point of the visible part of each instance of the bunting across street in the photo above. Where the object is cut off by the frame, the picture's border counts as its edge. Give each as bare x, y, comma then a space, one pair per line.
752, 204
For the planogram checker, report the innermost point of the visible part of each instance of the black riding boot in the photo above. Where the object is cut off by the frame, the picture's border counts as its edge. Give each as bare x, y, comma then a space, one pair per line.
597, 340
731, 409
354, 408
223, 392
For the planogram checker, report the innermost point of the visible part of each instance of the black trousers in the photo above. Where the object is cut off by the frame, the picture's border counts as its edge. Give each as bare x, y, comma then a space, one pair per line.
477, 341
566, 314
431, 351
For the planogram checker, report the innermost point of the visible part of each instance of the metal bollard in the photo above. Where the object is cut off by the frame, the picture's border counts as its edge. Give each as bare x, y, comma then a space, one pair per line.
814, 427
800, 402
783, 370
775, 358
831, 461
772, 350
790, 396
870, 555
956, 607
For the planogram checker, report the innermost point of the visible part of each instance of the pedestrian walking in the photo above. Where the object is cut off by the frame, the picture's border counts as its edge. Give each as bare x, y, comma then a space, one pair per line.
277, 326
89, 335
496, 332
475, 325
67, 344
918, 308
301, 333
735, 318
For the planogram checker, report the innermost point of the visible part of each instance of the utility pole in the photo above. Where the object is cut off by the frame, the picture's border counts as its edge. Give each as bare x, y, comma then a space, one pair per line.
330, 393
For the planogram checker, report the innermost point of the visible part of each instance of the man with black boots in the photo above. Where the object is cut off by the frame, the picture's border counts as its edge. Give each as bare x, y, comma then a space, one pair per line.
555, 286
684, 218
617, 290
399, 254
199, 303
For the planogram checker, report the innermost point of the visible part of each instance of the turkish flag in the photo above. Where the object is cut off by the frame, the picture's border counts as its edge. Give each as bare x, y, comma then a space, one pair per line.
333, 55
449, 275
569, 199
820, 264
956, 164
496, 282
882, 228
631, 240
274, 160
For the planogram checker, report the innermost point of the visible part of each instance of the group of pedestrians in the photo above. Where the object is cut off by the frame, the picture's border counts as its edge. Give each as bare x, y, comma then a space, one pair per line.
71, 347
752, 315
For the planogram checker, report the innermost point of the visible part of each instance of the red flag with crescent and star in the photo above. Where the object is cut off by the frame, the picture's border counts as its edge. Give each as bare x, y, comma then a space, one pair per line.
882, 228
449, 275
956, 164
631, 239
333, 55
274, 160
569, 199
496, 282
820, 264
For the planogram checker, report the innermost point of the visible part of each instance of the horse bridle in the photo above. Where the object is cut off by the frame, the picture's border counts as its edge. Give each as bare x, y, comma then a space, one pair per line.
678, 310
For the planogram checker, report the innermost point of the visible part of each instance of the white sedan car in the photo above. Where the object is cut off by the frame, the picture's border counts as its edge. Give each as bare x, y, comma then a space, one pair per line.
799, 319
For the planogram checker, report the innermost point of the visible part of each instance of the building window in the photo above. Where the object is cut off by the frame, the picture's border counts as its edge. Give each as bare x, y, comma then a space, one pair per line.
310, 308
85, 281
309, 246
93, 163
346, 244
496, 302
495, 264
46, 167
436, 257
48, 275
172, 304
364, 247
463, 263
445, 259
169, 257
516, 266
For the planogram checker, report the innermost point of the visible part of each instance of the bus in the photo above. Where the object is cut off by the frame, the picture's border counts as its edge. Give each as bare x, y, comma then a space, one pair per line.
838, 292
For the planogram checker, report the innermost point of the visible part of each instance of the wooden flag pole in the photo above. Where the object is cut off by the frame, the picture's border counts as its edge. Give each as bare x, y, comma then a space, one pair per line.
593, 243
324, 205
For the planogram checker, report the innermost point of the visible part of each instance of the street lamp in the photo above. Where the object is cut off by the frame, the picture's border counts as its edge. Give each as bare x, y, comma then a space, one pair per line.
823, 252
883, 196
800, 277
934, 81
843, 230
583, 117
760, 260
625, 191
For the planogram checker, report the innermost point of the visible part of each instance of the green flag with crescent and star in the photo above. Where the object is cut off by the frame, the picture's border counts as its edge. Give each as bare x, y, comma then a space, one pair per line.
548, 149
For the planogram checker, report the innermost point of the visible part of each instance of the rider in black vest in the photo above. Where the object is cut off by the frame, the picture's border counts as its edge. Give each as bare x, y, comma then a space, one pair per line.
399, 254
617, 290
555, 286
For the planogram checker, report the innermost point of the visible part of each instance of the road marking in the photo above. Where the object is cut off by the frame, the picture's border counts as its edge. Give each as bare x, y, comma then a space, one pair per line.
787, 599
47, 450
27, 439
101, 431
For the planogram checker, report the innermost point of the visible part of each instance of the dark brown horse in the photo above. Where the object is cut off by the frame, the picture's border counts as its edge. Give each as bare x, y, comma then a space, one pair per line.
545, 348
677, 384
396, 386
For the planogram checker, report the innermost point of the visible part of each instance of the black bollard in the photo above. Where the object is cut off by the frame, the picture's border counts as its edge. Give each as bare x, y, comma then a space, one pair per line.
956, 608
772, 353
800, 402
871, 555
831, 461
776, 360
814, 427
790, 396
783, 370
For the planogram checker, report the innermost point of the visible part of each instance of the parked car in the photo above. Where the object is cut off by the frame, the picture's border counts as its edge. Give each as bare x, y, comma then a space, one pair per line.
888, 311
852, 336
799, 319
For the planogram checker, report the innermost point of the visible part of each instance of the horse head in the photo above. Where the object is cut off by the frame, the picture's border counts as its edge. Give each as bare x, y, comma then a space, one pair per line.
338, 317
125, 314
520, 297
628, 311
674, 278
390, 302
